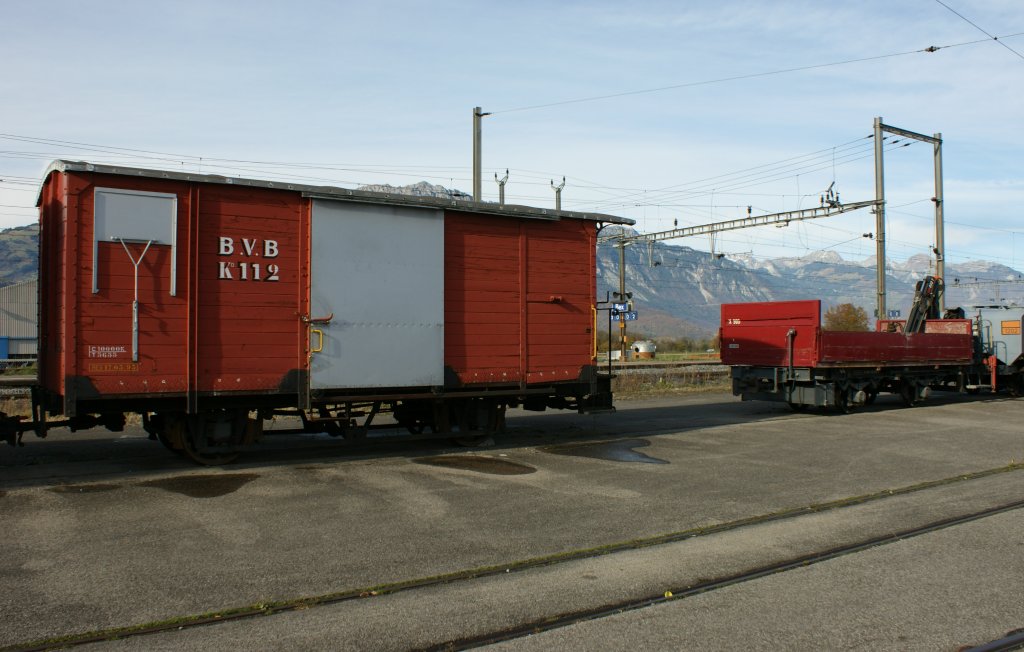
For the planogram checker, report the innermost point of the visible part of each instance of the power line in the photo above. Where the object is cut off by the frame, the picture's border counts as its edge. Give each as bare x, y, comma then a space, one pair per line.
706, 82
810, 155
752, 180
195, 158
979, 28
214, 164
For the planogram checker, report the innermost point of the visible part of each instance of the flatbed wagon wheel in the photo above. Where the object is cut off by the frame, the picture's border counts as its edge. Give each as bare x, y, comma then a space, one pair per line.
843, 402
908, 392
1015, 386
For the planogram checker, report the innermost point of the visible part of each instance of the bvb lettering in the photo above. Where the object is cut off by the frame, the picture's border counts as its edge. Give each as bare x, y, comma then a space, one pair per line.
246, 270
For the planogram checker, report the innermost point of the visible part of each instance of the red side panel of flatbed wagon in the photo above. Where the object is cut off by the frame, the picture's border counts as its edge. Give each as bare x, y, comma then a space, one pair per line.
758, 334
844, 348
519, 295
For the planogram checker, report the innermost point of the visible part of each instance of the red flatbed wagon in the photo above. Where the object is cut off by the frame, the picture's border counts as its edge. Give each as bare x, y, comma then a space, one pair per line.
208, 303
779, 351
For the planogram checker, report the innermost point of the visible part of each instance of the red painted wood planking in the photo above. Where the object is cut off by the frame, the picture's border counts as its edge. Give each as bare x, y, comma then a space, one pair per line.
518, 293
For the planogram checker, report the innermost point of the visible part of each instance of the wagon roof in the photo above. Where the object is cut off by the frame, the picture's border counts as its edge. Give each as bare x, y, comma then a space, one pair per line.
334, 192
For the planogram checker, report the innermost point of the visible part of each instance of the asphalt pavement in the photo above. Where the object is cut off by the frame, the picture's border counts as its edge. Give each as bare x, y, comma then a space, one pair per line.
107, 531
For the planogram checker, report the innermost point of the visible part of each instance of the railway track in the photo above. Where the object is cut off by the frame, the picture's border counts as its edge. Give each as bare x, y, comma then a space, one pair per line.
447, 581
679, 593
1012, 641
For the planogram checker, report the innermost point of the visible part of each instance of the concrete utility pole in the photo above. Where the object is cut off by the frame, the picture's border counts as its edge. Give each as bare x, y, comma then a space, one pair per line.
558, 193
940, 245
940, 231
622, 297
880, 312
501, 187
477, 154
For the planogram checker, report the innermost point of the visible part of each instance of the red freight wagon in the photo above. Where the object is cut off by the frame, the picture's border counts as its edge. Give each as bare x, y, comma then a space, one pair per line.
208, 303
779, 351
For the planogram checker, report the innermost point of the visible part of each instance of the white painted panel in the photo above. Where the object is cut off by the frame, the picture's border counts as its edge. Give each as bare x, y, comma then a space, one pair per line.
380, 271
135, 216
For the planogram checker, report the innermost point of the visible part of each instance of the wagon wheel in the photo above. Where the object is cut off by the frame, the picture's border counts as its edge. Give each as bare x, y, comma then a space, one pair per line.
194, 427
843, 403
163, 439
1016, 386
476, 433
166, 428
419, 427
908, 392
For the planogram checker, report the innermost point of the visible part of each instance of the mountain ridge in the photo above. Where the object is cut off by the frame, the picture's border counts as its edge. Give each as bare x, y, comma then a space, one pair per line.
678, 291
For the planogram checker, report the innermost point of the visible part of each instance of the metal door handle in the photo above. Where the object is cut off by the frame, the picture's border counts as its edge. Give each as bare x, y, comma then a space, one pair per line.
317, 320
320, 342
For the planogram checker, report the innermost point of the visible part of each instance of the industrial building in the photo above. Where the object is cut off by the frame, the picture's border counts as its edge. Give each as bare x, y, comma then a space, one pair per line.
19, 323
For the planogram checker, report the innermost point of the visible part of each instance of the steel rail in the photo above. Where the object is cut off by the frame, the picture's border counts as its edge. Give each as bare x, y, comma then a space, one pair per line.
1012, 641
564, 620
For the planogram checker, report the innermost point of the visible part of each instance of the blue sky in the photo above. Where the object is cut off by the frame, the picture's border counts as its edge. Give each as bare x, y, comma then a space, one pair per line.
349, 93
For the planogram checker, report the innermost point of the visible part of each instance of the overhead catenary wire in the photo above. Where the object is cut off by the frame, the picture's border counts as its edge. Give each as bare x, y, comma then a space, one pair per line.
721, 80
753, 181
750, 170
742, 179
108, 151
905, 248
392, 169
980, 29
211, 163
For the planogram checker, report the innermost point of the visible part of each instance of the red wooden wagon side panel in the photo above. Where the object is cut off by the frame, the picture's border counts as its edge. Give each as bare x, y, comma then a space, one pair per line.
52, 306
251, 292
950, 343
560, 291
103, 320
518, 298
483, 301
757, 334
230, 325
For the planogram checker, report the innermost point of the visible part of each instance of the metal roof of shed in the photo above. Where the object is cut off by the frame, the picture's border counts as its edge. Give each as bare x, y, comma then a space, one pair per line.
334, 192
